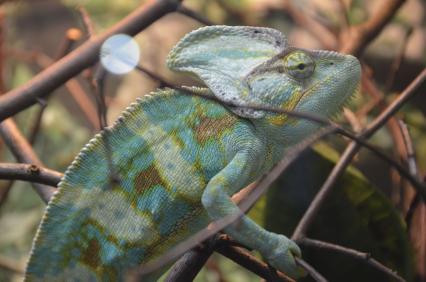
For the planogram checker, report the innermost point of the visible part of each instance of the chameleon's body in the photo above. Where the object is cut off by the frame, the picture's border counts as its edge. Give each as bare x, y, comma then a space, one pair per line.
179, 158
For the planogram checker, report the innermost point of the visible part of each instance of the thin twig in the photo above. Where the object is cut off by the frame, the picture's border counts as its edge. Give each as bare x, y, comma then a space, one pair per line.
314, 274
364, 257
71, 37
417, 184
35, 127
371, 88
412, 167
396, 104
379, 98
87, 22
187, 91
98, 86
73, 86
353, 120
29, 172
398, 59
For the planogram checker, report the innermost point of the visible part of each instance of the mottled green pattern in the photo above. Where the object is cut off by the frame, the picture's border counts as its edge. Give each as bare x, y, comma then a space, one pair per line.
179, 158
154, 155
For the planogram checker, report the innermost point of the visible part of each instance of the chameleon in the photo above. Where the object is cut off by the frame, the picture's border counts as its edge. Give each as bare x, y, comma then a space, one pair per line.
179, 158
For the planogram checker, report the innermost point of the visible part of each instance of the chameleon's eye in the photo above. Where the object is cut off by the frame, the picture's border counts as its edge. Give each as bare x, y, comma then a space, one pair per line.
299, 64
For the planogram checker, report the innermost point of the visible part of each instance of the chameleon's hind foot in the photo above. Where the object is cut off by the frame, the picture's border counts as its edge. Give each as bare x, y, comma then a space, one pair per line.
281, 253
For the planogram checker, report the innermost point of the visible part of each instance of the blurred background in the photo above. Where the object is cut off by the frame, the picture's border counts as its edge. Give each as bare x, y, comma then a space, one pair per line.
373, 208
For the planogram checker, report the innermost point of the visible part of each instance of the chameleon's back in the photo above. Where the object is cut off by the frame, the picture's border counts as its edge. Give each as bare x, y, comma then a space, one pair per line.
87, 235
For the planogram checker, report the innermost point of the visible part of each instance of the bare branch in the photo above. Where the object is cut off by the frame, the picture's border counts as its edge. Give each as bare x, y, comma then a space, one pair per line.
314, 274
414, 170
29, 172
71, 37
73, 85
398, 59
87, 22
187, 267
364, 257
395, 105
413, 179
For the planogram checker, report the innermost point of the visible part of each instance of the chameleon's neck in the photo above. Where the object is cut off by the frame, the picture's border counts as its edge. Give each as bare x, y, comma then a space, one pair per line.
280, 137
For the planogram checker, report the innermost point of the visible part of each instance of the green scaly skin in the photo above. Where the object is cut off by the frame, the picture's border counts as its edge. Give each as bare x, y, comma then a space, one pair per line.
179, 158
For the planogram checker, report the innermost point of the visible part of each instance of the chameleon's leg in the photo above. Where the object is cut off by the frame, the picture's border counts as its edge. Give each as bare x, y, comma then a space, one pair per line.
277, 249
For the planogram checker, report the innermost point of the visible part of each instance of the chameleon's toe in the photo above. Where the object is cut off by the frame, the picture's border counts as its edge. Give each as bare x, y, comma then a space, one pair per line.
282, 257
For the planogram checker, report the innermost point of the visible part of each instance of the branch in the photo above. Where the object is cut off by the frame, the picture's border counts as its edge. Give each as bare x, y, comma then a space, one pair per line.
412, 178
314, 274
85, 56
364, 257
187, 267
396, 104
23, 152
250, 262
361, 35
29, 172
73, 85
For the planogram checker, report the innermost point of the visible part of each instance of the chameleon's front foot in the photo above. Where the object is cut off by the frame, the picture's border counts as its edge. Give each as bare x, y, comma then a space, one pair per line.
281, 255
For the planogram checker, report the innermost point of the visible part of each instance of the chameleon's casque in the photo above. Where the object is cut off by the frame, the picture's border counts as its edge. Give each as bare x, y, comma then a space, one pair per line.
179, 158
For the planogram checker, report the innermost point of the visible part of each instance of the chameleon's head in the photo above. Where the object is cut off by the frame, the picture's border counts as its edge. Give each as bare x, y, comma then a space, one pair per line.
246, 66
317, 82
